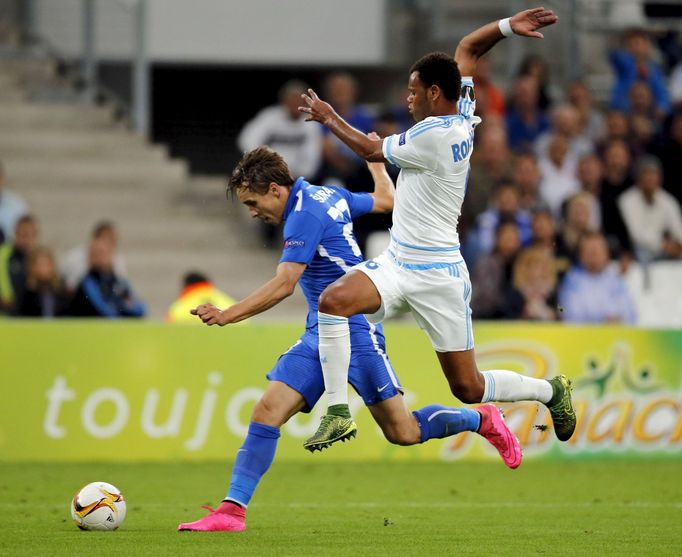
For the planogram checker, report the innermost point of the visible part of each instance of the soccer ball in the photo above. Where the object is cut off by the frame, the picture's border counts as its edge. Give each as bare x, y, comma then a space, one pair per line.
98, 506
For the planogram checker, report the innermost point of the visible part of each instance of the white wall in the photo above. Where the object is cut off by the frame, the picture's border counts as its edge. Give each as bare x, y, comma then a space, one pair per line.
300, 32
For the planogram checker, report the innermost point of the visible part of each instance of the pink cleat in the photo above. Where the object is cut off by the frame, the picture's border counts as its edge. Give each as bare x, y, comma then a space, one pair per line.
499, 436
226, 518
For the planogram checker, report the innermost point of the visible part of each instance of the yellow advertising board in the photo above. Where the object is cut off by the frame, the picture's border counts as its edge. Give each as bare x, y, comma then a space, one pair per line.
94, 390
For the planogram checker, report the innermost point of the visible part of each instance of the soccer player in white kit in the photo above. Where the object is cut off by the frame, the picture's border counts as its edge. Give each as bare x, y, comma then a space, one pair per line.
422, 270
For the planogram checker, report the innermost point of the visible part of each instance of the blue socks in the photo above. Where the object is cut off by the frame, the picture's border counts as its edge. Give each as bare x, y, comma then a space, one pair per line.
252, 461
436, 421
256, 454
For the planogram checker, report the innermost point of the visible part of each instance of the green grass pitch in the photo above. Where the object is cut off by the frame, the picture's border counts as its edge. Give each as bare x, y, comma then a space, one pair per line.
618, 507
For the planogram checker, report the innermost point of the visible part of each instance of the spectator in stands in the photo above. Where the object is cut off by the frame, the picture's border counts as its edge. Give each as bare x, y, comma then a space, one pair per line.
632, 64
74, 263
14, 262
642, 134
387, 123
616, 181
525, 121
493, 297
617, 128
536, 66
490, 166
670, 153
642, 102
12, 207
558, 172
565, 121
591, 122
283, 128
545, 236
579, 220
670, 44
590, 176
102, 293
489, 97
651, 214
535, 282
340, 162
526, 178
197, 289
593, 292
505, 209
45, 295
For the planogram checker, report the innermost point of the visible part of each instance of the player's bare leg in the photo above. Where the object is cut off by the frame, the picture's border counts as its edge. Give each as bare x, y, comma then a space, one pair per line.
275, 407
352, 294
470, 385
402, 427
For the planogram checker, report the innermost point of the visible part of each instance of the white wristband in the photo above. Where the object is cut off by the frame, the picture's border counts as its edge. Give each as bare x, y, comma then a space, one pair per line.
505, 27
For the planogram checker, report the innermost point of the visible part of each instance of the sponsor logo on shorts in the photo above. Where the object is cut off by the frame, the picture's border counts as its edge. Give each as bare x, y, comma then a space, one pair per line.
371, 264
382, 389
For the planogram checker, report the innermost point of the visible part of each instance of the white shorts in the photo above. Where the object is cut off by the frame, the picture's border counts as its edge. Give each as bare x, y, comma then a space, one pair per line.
437, 294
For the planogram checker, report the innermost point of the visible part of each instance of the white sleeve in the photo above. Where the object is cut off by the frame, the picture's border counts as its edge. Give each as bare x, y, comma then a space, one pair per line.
415, 148
466, 105
675, 219
311, 151
254, 132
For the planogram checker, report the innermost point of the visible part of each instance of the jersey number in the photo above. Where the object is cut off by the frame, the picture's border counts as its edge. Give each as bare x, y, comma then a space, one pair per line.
336, 212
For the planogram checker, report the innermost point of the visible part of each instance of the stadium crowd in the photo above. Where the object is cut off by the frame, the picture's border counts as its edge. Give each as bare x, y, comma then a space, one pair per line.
564, 195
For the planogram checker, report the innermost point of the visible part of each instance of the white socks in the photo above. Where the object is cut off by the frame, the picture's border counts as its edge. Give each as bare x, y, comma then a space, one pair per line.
334, 356
506, 386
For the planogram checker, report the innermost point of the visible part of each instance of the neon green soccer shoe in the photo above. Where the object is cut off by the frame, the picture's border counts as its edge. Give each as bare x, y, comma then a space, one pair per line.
332, 429
561, 407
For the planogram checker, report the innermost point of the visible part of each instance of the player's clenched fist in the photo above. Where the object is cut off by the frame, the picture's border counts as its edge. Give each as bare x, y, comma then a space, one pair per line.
209, 314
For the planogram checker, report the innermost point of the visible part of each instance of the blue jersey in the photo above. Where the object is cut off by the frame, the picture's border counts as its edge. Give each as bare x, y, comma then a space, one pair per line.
318, 232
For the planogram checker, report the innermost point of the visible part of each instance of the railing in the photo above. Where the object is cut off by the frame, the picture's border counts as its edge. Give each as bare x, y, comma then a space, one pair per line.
76, 31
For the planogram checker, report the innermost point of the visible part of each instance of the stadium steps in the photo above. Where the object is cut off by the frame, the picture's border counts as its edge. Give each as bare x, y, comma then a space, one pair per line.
76, 165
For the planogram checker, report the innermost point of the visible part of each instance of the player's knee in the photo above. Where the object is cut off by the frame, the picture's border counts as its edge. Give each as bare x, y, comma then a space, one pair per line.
468, 391
335, 300
267, 413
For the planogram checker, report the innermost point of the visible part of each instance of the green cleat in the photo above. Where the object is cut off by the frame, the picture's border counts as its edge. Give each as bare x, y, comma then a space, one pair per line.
332, 429
561, 407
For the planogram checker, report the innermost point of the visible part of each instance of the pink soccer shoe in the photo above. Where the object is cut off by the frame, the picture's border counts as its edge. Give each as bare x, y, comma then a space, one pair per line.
499, 436
226, 518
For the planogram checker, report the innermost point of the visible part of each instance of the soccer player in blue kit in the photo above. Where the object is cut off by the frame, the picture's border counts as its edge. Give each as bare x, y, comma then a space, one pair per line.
422, 270
319, 247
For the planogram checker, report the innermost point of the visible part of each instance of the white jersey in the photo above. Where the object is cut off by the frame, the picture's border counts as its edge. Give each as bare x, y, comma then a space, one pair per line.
434, 158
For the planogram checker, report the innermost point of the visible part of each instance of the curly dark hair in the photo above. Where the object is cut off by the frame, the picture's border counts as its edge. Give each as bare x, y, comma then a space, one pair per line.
439, 68
257, 169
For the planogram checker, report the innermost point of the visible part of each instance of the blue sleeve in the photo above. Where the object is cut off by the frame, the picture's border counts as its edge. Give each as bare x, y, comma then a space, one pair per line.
621, 60
94, 295
358, 203
659, 88
302, 234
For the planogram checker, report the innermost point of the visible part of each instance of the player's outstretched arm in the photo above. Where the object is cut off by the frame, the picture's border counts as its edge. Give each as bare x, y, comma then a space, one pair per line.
476, 44
281, 286
384, 188
319, 111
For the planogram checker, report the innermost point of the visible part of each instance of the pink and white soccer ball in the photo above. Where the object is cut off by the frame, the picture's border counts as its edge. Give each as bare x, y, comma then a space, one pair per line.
98, 506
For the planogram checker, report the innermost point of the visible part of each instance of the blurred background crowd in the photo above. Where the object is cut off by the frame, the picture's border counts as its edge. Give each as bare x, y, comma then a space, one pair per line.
573, 208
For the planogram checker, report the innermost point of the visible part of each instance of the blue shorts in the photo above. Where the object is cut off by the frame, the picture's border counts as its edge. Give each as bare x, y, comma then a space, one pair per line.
370, 373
